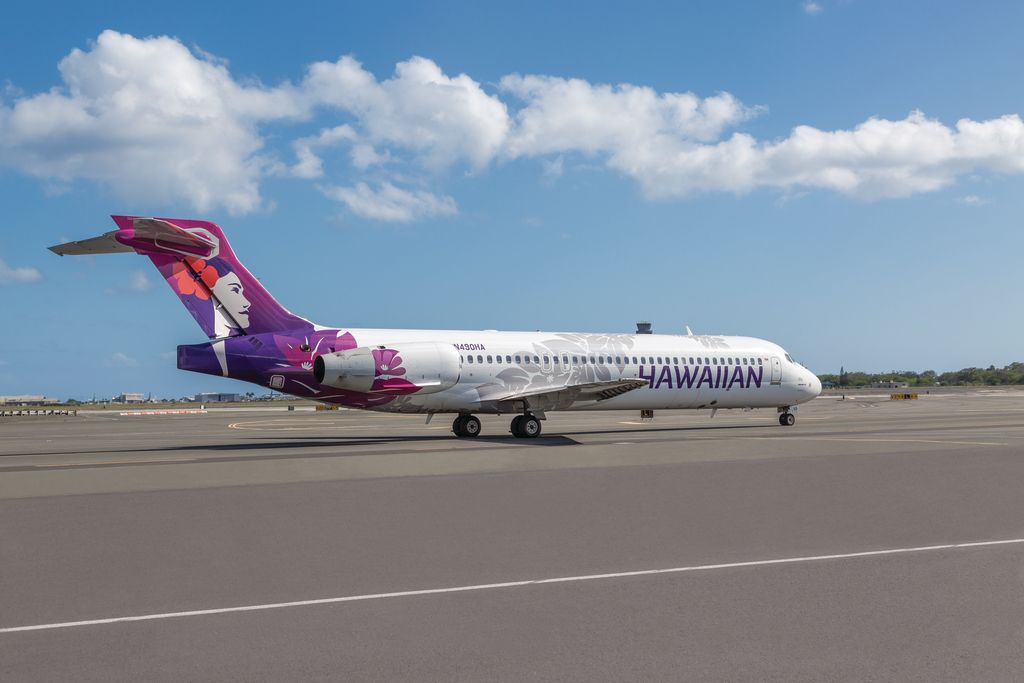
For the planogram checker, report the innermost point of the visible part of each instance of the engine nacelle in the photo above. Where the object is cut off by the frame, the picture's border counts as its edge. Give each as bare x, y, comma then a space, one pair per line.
415, 367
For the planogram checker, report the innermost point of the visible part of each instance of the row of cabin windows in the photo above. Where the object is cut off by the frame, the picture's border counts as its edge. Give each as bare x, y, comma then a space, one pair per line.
617, 360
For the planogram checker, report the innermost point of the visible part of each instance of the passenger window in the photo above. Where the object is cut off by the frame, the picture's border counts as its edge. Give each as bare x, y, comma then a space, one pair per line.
547, 360
730, 361
519, 359
714, 360
634, 361
575, 360
707, 361
691, 360
490, 359
508, 359
536, 361
675, 361
759, 362
469, 359
498, 358
479, 359
659, 360
744, 361
565, 360
554, 359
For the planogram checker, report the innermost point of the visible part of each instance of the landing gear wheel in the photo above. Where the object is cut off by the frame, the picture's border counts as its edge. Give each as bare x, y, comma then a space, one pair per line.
787, 419
471, 426
530, 427
525, 427
466, 426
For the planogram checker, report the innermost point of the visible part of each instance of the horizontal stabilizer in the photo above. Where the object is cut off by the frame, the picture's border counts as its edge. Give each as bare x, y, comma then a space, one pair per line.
104, 244
145, 236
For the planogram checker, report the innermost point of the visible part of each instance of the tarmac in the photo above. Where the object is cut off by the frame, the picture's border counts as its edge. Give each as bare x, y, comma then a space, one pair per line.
873, 540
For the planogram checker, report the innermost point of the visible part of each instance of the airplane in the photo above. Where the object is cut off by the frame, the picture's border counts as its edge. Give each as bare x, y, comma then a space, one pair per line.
526, 374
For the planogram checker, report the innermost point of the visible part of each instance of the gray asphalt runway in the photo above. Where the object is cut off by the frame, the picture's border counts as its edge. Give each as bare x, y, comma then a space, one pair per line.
826, 531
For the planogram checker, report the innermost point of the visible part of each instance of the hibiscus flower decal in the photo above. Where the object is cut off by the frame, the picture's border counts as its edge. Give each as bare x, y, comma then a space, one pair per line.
387, 362
185, 283
388, 371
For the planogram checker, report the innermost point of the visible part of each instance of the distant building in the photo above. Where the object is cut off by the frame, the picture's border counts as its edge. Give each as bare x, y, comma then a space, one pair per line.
828, 384
889, 384
129, 398
26, 400
216, 398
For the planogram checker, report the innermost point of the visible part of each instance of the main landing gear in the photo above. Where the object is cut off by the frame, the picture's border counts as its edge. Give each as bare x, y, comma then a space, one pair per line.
786, 418
466, 426
525, 426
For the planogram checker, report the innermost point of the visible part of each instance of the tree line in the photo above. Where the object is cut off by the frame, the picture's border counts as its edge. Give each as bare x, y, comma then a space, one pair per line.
1011, 374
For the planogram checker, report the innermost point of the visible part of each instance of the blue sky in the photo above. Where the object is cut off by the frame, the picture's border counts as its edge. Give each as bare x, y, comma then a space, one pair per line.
844, 178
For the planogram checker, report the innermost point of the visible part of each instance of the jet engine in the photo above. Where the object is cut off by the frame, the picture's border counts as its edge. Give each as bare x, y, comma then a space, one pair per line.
415, 367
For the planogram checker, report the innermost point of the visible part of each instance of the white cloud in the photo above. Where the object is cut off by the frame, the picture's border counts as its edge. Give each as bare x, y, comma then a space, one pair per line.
160, 123
553, 168
811, 7
149, 119
138, 282
973, 200
878, 158
121, 360
390, 203
308, 162
574, 115
10, 275
440, 119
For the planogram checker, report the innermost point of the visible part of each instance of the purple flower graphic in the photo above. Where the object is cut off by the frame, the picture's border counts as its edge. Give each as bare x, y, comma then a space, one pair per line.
388, 373
387, 362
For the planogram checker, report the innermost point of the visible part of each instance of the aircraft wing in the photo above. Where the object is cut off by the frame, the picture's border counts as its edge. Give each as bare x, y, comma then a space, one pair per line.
551, 398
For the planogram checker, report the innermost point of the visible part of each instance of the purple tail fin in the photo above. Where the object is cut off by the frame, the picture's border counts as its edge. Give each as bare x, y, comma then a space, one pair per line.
199, 265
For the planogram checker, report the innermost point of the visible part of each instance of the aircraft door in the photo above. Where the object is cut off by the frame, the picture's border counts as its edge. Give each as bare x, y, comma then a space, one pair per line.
776, 370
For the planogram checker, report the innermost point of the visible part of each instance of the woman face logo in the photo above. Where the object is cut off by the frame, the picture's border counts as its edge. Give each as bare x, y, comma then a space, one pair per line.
230, 293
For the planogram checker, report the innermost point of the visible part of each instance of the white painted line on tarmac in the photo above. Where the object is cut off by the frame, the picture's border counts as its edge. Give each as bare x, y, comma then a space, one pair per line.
858, 440
513, 584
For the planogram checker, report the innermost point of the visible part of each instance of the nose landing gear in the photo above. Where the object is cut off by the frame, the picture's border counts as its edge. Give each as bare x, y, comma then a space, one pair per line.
525, 426
786, 418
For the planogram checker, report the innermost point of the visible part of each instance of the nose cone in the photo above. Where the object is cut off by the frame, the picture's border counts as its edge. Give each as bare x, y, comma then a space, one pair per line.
814, 387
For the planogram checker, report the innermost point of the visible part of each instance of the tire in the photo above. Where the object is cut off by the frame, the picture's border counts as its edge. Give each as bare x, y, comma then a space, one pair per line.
471, 426
787, 419
517, 426
458, 427
530, 427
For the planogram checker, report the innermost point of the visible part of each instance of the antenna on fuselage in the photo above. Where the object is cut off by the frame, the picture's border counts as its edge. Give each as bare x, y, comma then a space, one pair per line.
689, 332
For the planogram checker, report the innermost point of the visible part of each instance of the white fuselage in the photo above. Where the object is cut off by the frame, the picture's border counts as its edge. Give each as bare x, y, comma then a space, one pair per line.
683, 371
